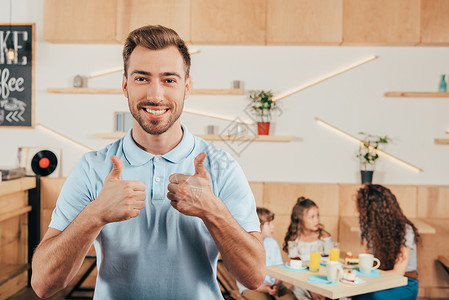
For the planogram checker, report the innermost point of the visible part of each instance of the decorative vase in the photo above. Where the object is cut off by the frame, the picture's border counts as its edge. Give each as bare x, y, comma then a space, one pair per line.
367, 176
263, 128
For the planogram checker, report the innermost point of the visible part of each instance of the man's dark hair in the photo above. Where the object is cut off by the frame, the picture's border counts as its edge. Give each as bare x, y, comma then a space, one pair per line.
155, 37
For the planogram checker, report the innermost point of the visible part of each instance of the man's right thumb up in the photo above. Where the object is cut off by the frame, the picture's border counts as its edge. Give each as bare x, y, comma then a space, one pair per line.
117, 167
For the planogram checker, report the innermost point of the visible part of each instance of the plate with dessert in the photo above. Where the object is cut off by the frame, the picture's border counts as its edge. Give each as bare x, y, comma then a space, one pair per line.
294, 266
349, 277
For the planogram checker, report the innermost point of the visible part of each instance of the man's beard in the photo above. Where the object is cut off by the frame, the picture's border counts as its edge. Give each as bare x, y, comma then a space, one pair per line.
153, 127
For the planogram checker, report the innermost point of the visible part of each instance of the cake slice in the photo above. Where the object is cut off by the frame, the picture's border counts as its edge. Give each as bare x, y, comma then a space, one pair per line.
350, 260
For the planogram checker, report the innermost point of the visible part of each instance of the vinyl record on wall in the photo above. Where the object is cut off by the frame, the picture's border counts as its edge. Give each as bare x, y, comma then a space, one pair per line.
44, 163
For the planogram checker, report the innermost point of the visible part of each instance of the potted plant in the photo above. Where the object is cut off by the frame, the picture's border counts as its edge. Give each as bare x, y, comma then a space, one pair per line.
368, 154
262, 105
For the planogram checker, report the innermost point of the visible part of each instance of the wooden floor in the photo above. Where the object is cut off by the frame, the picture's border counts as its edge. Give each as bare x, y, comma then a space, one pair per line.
28, 294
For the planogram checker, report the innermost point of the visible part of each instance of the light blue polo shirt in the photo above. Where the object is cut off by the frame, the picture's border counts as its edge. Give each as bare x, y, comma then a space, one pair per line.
160, 254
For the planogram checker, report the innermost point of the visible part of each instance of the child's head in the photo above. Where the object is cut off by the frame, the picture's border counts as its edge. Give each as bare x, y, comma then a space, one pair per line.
305, 216
266, 218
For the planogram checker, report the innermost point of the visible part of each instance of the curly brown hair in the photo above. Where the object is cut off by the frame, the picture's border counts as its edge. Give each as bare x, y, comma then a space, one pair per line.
297, 221
382, 223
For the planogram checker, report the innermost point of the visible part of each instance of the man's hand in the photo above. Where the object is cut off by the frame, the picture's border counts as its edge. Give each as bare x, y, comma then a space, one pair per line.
192, 194
119, 200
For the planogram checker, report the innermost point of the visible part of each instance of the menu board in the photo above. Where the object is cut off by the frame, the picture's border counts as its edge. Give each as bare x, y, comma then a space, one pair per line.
17, 75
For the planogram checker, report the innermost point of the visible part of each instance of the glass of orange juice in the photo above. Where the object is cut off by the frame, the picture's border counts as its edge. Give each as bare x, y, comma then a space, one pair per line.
314, 265
334, 253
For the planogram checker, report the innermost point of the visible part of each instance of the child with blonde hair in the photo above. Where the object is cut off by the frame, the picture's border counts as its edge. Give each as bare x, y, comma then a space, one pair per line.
271, 288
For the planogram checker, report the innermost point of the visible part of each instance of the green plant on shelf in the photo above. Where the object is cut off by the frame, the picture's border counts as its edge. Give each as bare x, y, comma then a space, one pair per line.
262, 104
368, 149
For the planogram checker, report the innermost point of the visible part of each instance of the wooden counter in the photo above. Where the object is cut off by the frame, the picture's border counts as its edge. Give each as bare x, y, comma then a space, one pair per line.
14, 210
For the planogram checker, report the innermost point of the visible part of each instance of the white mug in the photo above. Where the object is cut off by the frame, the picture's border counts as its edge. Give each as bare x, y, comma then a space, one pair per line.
296, 264
334, 271
366, 263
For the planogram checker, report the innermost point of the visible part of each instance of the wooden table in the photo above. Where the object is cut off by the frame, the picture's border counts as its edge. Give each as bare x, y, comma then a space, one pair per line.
385, 280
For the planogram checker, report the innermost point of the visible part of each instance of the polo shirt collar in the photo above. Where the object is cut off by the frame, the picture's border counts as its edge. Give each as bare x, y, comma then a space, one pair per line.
183, 149
137, 156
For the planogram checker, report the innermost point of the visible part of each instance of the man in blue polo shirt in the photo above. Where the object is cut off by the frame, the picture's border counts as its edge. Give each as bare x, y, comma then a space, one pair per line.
159, 204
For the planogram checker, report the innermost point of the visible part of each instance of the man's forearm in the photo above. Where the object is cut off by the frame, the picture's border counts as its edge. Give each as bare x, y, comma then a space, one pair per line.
60, 255
242, 252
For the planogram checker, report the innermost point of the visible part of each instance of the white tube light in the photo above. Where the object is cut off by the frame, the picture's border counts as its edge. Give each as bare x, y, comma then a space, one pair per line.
215, 116
120, 69
61, 136
355, 65
383, 153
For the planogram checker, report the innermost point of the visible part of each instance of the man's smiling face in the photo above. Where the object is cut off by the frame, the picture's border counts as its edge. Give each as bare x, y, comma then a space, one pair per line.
156, 87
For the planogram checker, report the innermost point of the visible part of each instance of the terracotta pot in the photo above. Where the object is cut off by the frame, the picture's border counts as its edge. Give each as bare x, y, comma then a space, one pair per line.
263, 128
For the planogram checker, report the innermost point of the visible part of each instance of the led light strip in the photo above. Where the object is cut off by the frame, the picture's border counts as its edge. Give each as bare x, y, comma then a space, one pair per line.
120, 69
216, 116
394, 158
366, 60
64, 137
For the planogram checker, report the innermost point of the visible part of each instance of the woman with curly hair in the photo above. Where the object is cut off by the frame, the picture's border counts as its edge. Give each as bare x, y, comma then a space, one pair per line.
306, 234
390, 237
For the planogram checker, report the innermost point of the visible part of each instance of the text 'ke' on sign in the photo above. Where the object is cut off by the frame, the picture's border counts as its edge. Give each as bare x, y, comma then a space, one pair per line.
16, 75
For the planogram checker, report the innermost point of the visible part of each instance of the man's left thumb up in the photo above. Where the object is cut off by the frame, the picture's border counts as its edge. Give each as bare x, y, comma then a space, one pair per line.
199, 165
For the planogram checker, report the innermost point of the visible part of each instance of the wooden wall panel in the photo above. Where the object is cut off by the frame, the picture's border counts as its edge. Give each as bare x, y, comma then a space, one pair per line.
349, 240
381, 22
432, 246
281, 223
13, 201
406, 196
435, 22
9, 231
228, 22
81, 21
132, 14
50, 189
257, 188
304, 22
433, 202
13, 285
9, 253
348, 199
281, 197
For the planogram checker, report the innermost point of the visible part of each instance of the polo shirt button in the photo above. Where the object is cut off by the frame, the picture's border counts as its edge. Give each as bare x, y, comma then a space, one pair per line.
157, 179
156, 159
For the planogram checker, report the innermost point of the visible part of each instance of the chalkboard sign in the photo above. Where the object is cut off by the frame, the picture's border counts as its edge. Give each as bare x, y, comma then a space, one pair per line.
17, 75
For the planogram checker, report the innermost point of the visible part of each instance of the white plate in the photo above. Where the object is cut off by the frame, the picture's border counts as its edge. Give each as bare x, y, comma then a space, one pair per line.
357, 280
287, 264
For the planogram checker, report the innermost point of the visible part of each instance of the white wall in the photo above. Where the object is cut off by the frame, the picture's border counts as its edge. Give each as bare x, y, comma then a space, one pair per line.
352, 101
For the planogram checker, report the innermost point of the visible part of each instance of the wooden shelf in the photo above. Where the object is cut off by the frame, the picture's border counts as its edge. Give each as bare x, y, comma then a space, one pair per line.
215, 137
14, 213
441, 141
119, 91
17, 185
417, 94
9, 271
